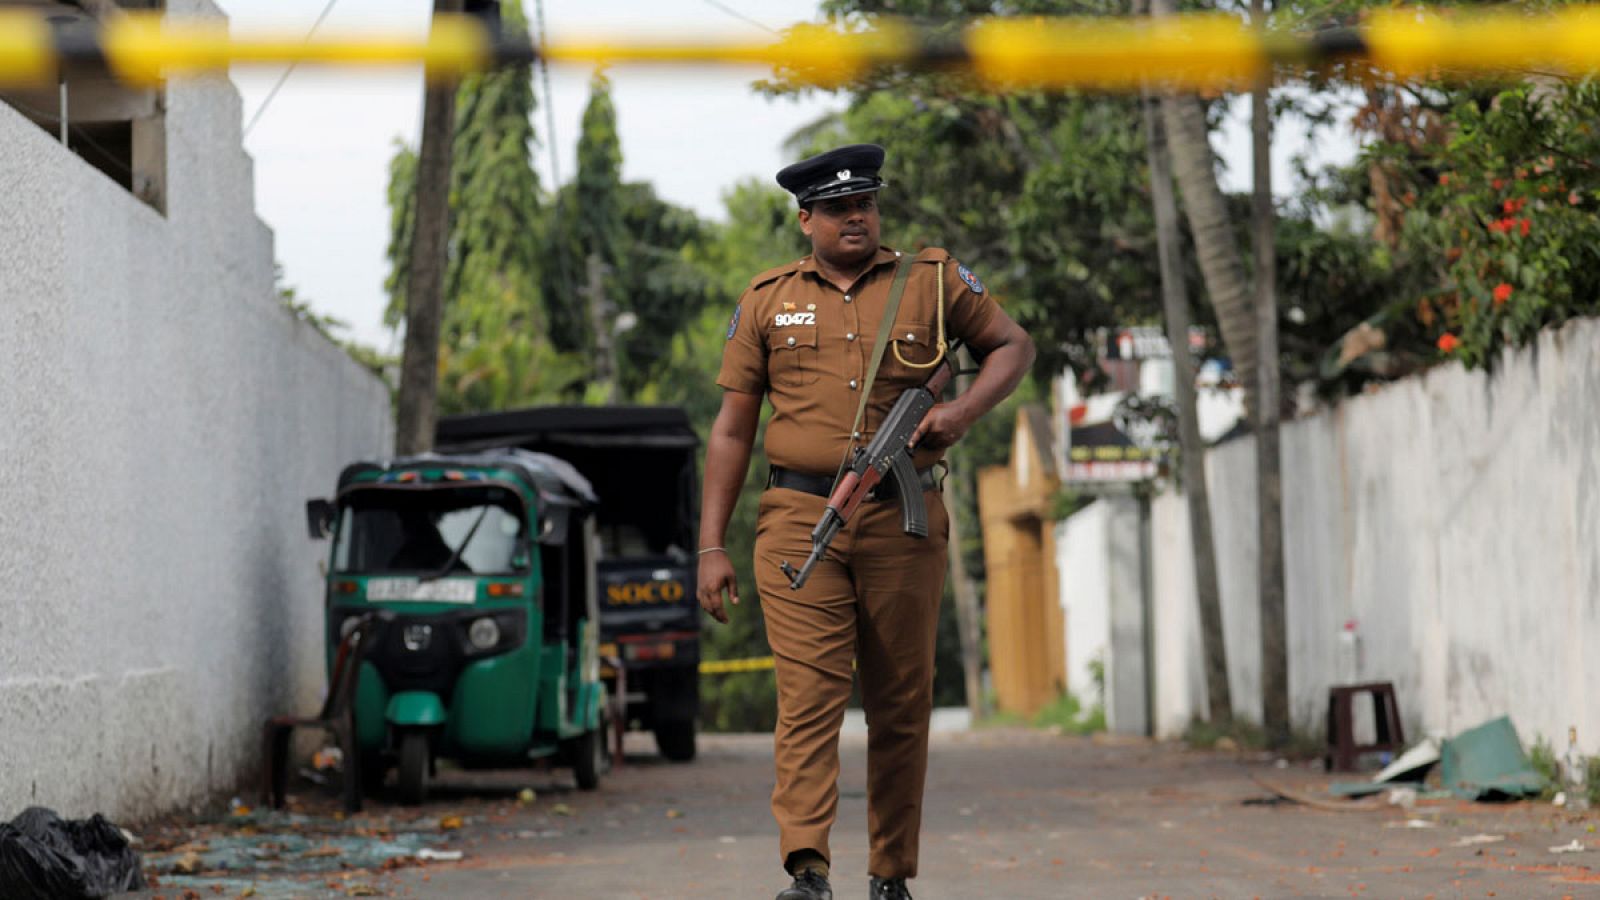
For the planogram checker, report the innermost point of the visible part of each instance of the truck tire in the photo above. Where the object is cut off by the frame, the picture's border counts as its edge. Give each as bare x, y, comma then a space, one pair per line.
413, 768
675, 740
588, 758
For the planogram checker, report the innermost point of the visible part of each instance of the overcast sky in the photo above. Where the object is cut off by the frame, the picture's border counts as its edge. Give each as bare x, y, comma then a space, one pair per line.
322, 147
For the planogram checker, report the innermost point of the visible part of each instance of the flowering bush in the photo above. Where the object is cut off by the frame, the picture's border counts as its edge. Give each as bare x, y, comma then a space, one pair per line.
1500, 224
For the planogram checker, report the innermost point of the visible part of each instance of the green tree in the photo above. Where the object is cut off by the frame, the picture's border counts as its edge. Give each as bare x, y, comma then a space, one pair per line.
647, 251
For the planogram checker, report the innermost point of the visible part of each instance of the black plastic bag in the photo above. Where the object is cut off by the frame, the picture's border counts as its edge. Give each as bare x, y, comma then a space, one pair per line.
44, 857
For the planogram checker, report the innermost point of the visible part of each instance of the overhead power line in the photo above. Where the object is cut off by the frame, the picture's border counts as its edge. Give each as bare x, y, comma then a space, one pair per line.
286, 72
717, 4
549, 98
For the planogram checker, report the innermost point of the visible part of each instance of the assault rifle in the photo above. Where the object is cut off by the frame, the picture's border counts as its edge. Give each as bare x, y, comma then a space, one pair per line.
887, 456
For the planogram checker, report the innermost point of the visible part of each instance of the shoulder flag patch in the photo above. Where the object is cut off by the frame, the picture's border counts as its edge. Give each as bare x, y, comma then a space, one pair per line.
971, 279
733, 324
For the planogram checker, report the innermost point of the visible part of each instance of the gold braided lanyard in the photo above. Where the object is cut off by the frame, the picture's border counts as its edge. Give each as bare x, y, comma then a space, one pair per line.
940, 346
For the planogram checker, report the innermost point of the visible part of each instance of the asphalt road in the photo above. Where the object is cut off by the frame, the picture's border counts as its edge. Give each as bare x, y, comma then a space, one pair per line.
1009, 814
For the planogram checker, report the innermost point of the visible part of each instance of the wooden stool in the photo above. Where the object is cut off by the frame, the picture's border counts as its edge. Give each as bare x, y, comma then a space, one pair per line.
1343, 750
337, 718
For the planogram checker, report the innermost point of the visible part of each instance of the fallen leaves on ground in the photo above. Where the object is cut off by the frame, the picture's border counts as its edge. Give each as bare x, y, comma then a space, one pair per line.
187, 864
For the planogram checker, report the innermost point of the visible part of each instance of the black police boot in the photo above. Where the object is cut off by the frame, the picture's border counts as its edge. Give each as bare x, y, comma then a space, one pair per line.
808, 885
889, 889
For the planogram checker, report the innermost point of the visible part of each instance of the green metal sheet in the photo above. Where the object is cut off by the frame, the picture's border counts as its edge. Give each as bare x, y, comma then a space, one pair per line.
1488, 763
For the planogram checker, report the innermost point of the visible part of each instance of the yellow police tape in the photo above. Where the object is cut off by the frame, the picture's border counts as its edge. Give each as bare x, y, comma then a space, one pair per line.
725, 666
1202, 51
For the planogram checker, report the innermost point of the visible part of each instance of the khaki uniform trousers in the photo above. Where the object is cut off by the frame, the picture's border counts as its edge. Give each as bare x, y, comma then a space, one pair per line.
873, 600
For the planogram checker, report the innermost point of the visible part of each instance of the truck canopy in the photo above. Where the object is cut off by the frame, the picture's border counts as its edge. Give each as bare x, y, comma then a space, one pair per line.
639, 459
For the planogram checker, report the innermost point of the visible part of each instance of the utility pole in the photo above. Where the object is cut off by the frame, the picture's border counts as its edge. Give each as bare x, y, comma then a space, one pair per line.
419, 363
600, 315
1269, 485
1175, 306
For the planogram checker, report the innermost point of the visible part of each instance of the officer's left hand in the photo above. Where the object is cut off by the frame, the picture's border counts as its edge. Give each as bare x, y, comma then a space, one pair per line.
941, 427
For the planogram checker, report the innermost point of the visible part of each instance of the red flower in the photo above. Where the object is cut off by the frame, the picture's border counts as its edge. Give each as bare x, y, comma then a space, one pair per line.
1502, 293
1509, 207
1497, 184
1448, 342
1444, 180
1573, 199
1524, 225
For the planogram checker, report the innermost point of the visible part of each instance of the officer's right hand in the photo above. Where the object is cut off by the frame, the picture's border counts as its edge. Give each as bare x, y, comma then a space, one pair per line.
717, 576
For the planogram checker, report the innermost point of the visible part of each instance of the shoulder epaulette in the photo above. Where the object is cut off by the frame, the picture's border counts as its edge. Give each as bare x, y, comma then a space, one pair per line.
774, 274
933, 255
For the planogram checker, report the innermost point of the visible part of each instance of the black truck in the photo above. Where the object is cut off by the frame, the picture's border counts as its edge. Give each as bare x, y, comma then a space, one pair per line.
641, 463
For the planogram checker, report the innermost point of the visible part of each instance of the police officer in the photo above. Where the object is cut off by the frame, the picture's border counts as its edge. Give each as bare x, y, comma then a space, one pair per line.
802, 335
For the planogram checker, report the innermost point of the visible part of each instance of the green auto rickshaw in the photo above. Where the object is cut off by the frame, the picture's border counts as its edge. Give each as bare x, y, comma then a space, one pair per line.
484, 567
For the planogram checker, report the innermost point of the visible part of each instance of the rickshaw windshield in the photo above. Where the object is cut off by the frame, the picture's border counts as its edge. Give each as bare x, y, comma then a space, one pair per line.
418, 532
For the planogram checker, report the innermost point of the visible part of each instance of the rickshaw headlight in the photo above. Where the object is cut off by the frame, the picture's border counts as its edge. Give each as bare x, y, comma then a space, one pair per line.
484, 633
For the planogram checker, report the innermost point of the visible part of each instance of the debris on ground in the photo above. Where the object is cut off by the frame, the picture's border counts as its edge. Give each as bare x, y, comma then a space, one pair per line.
1412, 765
1575, 847
47, 857
273, 854
1357, 789
1474, 839
526, 797
1412, 823
1488, 763
1273, 800
188, 864
428, 854
1305, 799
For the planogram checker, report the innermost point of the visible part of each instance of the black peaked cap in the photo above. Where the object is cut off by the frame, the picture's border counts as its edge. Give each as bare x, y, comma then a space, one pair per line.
851, 169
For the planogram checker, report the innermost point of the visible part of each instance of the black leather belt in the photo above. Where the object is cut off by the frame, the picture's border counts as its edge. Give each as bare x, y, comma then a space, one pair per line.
822, 485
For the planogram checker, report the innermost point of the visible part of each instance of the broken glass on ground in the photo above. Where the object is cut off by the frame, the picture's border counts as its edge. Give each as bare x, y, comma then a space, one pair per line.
277, 854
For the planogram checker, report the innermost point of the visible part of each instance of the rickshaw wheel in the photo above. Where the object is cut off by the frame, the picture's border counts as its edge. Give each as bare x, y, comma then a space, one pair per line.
413, 768
587, 762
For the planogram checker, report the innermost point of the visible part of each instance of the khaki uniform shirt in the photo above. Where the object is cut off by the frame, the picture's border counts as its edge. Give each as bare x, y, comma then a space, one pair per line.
807, 344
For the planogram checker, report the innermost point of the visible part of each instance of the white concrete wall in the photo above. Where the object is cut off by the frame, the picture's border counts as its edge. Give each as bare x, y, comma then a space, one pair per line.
162, 420
1097, 557
1455, 517
1083, 561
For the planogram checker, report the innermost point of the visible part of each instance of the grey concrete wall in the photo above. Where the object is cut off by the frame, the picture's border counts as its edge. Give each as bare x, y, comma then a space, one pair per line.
1453, 517
162, 420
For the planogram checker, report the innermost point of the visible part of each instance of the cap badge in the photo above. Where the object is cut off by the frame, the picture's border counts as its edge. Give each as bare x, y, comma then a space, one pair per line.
842, 174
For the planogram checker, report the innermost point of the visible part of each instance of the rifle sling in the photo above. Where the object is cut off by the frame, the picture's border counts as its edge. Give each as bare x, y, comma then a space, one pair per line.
902, 274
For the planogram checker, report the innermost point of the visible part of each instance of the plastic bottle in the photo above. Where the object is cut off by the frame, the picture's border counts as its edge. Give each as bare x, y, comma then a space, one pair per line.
1349, 653
1574, 774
